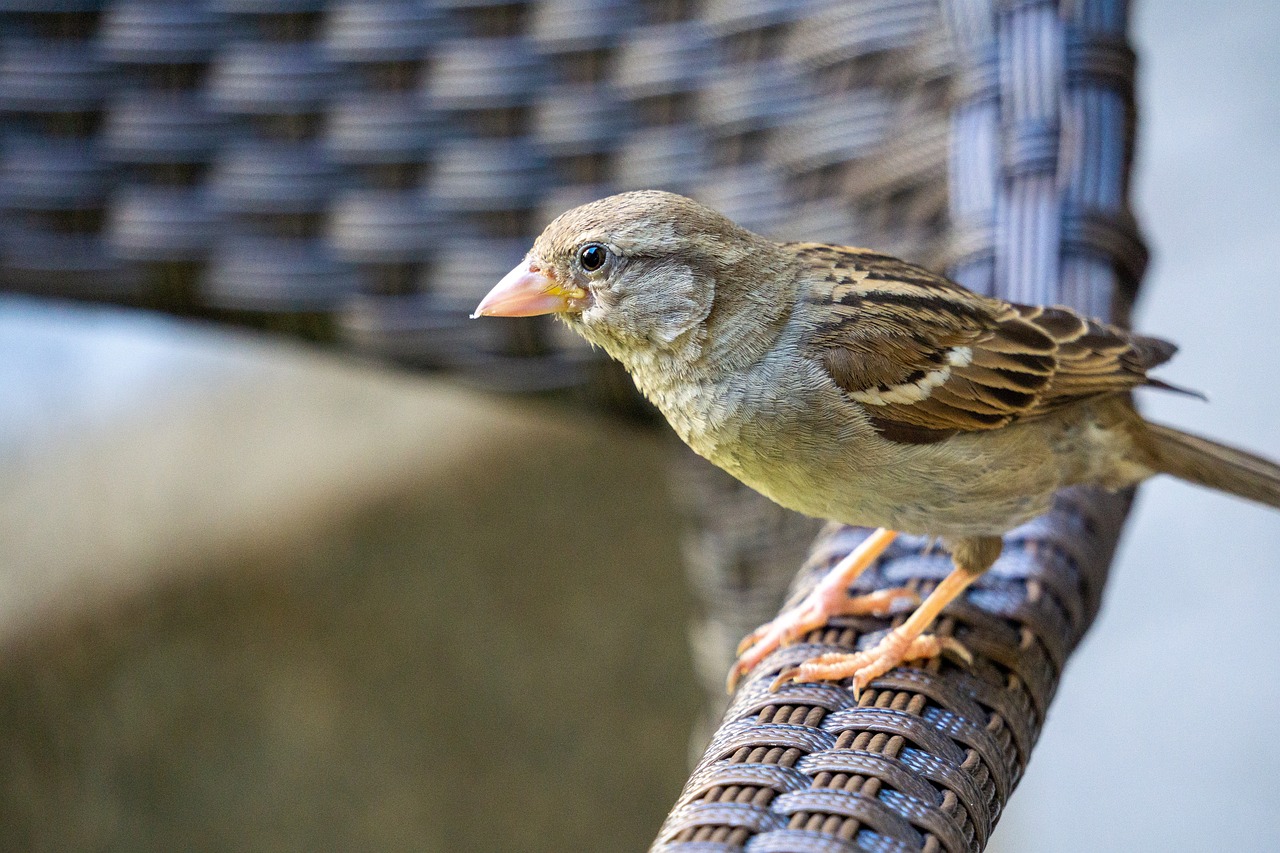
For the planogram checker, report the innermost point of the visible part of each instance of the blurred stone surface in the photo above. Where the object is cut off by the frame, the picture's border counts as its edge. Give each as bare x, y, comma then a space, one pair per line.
257, 597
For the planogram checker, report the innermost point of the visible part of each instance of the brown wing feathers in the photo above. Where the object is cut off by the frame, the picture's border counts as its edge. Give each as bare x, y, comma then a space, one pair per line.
928, 358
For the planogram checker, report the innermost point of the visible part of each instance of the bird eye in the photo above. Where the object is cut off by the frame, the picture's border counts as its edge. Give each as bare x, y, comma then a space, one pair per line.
592, 256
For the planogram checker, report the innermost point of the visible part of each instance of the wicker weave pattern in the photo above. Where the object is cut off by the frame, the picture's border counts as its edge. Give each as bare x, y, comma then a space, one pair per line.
1040, 140
366, 168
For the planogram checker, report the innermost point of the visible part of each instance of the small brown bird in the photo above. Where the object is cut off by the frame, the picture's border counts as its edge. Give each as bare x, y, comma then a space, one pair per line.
850, 385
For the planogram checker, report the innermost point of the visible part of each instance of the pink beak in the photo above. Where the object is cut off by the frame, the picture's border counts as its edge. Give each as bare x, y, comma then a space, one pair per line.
526, 292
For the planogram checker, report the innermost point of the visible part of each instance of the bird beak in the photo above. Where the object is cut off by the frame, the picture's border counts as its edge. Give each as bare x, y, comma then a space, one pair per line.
527, 292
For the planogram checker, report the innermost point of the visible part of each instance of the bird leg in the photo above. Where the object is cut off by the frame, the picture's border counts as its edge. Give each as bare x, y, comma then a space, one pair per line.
829, 598
908, 641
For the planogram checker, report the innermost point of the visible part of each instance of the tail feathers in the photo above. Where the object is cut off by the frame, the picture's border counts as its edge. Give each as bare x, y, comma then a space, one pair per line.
1217, 466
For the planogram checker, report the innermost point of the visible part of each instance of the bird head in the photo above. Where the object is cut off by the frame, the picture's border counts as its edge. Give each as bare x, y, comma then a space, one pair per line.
635, 271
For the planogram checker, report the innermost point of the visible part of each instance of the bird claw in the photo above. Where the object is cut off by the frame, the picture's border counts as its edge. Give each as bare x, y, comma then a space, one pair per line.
812, 613
866, 666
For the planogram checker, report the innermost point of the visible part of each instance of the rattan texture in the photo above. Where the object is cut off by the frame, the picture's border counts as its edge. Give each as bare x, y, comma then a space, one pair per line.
1037, 99
363, 170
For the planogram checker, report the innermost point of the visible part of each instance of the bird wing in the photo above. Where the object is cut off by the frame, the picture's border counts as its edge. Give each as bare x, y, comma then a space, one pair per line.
928, 358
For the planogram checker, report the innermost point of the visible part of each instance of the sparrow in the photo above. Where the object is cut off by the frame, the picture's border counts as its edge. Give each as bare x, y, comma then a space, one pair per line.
850, 385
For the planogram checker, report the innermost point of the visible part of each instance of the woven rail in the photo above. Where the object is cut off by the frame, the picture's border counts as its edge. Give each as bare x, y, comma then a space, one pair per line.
365, 169
1041, 123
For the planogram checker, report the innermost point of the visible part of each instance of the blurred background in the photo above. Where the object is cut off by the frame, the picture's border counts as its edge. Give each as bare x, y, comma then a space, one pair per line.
269, 586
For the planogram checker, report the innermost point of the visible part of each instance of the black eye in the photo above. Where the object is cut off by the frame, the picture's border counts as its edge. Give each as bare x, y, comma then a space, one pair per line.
592, 256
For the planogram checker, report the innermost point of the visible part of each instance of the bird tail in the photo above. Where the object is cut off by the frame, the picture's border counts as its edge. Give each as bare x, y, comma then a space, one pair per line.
1217, 466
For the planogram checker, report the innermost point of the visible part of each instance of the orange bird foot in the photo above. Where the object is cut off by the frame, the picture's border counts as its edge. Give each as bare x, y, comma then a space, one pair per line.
864, 667
811, 613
